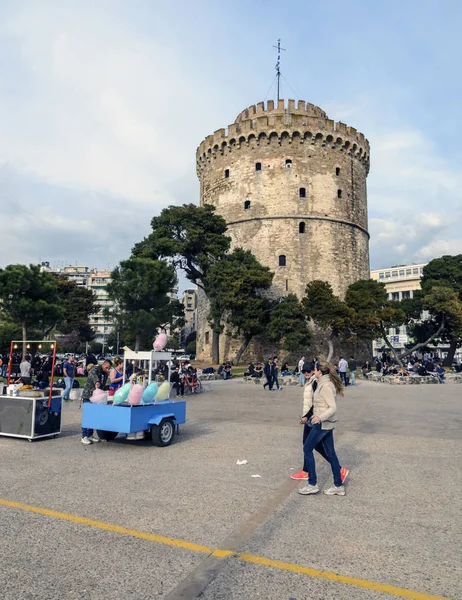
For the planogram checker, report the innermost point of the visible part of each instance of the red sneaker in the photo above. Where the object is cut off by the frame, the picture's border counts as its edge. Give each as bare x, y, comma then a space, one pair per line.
344, 473
300, 475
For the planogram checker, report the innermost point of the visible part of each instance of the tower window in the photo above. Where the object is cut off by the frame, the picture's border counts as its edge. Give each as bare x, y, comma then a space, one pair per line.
339, 193
246, 204
301, 227
282, 260
288, 163
287, 285
207, 337
337, 171
226, 173
302, 192
257, 166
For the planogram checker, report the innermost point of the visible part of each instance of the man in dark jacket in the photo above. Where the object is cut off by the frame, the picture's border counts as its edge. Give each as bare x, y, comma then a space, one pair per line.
96, 379
352, 366
275, 372
268, 370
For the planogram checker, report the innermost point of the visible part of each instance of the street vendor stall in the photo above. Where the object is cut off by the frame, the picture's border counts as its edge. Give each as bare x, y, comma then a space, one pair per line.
142, 407
26, 411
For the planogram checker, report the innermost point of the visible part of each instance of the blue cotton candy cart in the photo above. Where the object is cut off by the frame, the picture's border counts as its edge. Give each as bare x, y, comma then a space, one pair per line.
158, 422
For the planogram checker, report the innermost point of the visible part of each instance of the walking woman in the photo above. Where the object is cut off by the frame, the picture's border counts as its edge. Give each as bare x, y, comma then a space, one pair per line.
322, 425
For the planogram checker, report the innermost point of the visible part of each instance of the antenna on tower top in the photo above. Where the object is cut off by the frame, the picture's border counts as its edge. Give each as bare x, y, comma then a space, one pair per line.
278, 64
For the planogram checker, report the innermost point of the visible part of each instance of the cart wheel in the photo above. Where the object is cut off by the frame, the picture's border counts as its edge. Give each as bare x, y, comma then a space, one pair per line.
107, 435
162, 435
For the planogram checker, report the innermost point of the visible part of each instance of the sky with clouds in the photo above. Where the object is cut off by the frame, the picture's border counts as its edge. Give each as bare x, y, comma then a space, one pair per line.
103, 103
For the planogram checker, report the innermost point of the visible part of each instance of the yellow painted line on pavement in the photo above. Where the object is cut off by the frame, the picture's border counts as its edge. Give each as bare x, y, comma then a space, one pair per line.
143, 535
248, 558
362, 583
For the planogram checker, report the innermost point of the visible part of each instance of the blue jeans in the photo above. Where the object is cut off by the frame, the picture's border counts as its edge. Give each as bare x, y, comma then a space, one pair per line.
86, 432
319, 448
343, 377
69, 381
276, 380
353, 377
315, 437
302, 379
269, 382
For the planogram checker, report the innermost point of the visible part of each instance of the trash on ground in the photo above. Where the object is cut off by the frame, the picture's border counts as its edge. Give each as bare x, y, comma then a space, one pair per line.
241, 462
256, 476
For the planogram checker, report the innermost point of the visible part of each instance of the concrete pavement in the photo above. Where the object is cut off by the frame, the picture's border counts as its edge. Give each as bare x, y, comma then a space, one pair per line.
399, 525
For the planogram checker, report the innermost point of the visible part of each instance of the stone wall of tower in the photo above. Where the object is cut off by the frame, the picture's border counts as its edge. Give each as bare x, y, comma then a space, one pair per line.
290, 183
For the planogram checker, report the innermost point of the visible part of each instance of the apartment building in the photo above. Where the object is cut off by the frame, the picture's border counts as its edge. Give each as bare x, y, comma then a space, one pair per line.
95, 280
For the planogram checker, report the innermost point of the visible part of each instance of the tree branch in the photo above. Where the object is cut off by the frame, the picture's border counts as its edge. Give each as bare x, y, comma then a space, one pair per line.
387, 342
422, 344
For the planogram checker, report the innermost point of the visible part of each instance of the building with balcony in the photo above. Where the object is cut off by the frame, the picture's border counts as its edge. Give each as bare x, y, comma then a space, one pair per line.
95, 280
401, 281
101, 324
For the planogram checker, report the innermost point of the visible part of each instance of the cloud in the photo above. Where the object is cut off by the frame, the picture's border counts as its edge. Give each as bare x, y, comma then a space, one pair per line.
99, 136
415, 198
102, 108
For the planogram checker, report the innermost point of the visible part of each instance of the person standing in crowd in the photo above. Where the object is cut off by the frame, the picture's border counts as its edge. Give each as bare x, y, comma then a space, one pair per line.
96, 379
36, 363
342, 370
352, 366
440, 373
275, 373
68, 372
301, 380
268, 370
5, 359
116, 375
322, 429
25, 369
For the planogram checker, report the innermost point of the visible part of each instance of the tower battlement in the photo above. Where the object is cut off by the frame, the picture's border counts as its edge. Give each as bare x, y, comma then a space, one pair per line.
279, 108
284, 124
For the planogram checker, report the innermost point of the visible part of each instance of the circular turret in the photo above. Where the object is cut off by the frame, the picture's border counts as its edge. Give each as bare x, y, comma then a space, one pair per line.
291, 184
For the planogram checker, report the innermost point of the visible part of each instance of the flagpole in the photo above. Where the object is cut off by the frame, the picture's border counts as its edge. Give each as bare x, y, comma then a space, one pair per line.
278, 65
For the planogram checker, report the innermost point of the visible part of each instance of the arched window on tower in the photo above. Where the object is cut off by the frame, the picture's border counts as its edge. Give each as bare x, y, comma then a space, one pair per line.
226, 173
301, 227
288, 163
246, 204
302, 192
337, 171
339, 193
257, 166
282, 260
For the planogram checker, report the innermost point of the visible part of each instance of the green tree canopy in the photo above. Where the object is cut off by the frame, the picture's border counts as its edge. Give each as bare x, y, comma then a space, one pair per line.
327, 311
446, 272
193, 239
76, 304
288, 325
140, 287
372, 314
29, 298
237, 285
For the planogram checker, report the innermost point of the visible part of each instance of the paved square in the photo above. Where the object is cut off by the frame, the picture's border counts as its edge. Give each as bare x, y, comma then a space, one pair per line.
128, 520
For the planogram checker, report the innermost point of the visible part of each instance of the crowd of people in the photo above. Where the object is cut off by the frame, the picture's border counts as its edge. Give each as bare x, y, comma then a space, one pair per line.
425, 365
183, 377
